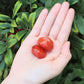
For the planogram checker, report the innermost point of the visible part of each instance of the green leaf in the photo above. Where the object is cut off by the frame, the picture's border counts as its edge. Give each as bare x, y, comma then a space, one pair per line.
78, 82
2, 47
70, 76
20, 14
20, 34
43, 1
16, 8
72, 2
2, 65
25, 2
48, 3
13, 24
19, 22
79, 22
4, 18
1, 57
24, 16
38, 11
76, 42
31, 19
11, 41
5, 25
11, 30
78, 72
25, 36
67, 81
5, 73
24, 20
5, 31
79, 8
34, 6
82, 61
8, 57
32, 1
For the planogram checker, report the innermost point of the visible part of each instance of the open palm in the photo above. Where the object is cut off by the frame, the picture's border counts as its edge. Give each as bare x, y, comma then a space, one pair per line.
57, 26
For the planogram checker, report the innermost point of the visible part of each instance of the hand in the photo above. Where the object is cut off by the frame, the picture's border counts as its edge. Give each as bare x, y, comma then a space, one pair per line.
26, 68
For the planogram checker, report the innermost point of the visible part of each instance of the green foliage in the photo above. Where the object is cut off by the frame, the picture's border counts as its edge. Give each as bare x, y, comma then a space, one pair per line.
16, 8
8, 57
16, 21
31, 19
4, 18
2, 47
20, 34
4, 25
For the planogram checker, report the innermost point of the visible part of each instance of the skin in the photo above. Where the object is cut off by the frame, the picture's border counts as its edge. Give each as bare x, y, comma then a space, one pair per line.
26, 68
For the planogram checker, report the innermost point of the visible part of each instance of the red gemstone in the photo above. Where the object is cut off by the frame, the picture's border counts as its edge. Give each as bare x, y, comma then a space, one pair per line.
46, 43
38, 51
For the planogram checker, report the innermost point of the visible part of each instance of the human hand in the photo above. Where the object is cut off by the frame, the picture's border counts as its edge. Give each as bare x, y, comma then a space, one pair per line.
26, 68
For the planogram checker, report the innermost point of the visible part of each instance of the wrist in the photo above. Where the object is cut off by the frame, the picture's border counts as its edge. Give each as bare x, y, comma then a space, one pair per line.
10, 80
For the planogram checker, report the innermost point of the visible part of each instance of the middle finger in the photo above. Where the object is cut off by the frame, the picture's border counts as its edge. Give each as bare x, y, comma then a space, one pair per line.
50, 20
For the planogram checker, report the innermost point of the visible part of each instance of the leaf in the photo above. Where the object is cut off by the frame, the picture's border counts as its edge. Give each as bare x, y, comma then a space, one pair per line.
13, 24
2, 65
32, 1
25, 36
20, 34
11, 41
72, 2
43, 1
82, 62
8, 57
2, 47
24, 20
77, 82
5, 73
31, 19
34, 6
11, 30
67, 81
20, 14
16, 8
38, 11
78, 72
71, 76
4, 18
25, 2
1, 57
76, 42
24, 16
79, 22
20, 22
48, 3
5, 31
79, 8
5, 25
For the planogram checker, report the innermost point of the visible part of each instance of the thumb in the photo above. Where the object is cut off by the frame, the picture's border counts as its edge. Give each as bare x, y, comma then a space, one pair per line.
65, 52
64, 57
66, 49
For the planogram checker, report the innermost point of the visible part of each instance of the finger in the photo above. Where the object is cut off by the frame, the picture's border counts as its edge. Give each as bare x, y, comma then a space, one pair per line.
66, 28
59, 20
50, 20
39, 23
63, 59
